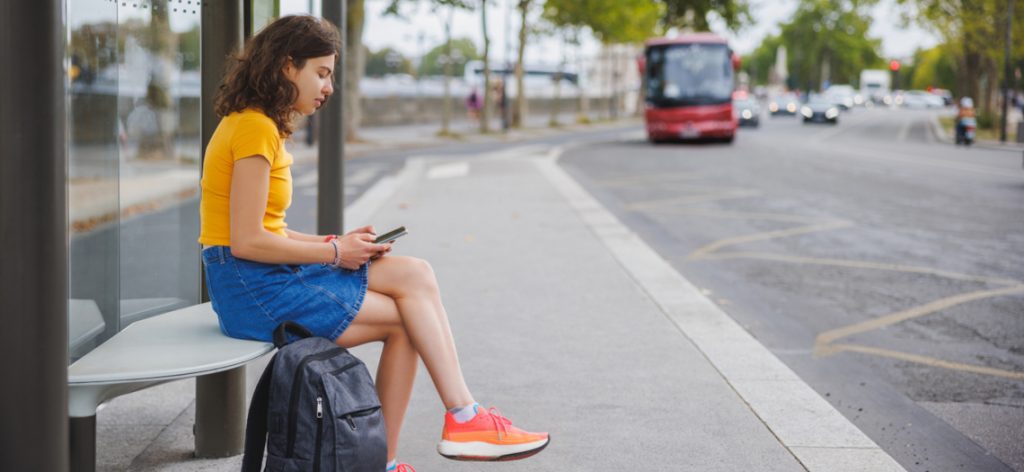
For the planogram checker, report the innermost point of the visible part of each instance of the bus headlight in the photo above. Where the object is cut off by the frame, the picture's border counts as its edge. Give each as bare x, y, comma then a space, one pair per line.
806, 111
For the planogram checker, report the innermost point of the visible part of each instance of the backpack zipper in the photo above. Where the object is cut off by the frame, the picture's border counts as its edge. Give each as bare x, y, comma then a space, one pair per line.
358, 414
293, 401
319, 432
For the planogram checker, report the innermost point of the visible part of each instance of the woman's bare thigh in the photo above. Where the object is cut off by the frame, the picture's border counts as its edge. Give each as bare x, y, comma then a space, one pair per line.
377, 318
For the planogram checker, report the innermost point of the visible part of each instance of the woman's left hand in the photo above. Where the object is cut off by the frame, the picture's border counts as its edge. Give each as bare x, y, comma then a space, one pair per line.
381, 253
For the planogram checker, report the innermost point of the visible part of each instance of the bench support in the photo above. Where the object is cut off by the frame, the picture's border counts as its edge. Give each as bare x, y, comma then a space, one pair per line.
220, 414
83, 443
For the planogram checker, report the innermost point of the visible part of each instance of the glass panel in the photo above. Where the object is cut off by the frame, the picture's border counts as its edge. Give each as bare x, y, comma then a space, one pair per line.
133, 163
158, 101
94, 140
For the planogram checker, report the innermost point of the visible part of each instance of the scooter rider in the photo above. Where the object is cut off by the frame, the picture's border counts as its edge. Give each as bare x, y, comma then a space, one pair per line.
964, 111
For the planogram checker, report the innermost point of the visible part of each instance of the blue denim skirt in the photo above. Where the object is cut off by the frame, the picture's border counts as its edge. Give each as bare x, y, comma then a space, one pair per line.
252, 298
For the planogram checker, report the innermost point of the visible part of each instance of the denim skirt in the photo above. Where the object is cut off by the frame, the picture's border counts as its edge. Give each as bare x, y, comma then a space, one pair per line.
252, 298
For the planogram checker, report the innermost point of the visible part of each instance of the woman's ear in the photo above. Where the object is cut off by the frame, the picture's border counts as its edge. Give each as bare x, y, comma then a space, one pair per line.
289, 68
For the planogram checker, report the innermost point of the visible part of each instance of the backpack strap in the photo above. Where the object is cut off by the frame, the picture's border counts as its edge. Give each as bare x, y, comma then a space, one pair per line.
282, 330
256, 423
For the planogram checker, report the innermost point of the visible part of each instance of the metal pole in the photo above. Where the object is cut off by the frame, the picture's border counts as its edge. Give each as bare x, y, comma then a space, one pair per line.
220, 398
33, 209
1008, 73
330, 200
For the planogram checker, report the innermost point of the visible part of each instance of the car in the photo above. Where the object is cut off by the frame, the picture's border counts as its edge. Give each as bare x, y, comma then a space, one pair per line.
843, 96
820, 109
747, 111
921, 99
784, 104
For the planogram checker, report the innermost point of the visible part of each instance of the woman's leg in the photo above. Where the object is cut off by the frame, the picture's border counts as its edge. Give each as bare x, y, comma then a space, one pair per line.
378, 320
410, 282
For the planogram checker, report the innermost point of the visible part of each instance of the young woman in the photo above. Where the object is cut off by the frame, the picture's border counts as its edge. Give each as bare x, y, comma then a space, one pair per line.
346, 288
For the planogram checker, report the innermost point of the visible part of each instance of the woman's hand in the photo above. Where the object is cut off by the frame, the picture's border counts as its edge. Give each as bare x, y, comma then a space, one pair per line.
357, 248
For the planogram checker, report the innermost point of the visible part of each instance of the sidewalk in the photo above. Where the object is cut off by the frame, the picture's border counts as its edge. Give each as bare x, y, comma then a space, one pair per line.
569, 323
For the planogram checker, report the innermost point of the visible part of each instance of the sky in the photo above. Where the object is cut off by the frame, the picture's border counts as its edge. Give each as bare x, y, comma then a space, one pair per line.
404, 34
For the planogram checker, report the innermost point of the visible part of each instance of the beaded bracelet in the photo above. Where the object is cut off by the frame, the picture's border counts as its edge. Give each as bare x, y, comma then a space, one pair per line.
337, 252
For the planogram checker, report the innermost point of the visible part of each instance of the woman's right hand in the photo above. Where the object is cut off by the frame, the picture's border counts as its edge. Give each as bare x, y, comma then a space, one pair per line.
357, 248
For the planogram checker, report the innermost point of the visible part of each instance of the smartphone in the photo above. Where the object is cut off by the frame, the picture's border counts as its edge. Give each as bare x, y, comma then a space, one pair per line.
391, 235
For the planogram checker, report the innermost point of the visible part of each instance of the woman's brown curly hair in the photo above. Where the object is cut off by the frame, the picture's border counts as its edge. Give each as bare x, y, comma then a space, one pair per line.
256, 77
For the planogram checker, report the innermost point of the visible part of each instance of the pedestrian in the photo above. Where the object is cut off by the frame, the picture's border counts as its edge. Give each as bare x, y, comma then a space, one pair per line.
473, 105
346, 288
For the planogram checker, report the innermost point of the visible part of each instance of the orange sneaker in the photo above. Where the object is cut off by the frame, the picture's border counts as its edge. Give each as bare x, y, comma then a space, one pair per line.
488, 437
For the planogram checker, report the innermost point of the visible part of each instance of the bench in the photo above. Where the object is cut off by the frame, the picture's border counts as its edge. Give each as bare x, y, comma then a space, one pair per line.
176, 345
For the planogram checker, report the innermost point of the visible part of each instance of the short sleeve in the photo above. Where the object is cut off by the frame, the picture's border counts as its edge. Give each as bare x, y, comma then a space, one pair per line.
256, 136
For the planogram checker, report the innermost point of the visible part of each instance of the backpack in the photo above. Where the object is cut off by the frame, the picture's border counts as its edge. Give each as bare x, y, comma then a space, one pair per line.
315, 409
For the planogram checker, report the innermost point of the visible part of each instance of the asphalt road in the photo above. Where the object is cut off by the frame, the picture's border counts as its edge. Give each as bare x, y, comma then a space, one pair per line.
884, 266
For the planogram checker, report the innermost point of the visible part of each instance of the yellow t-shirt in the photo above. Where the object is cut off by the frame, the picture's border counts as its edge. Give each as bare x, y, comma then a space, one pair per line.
239, 135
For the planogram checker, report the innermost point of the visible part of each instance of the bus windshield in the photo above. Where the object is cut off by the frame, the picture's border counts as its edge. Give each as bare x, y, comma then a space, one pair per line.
689, 74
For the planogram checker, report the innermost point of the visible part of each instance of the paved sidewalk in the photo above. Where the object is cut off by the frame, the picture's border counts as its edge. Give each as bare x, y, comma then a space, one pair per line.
569, 323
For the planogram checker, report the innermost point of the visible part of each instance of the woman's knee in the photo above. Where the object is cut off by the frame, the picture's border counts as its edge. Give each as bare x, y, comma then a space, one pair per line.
419, 276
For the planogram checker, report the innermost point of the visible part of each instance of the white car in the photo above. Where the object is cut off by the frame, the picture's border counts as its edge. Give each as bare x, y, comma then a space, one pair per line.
921, 99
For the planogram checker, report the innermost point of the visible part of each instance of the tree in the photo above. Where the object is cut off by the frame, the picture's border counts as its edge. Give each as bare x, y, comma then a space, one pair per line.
445, 9
520, 111
693, 14
611, 21
935, 67
485, 117
386, 61
972, 33
436, 61
828, 42
354, 66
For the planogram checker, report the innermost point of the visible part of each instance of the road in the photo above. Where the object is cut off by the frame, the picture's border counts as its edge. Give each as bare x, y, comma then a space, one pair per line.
885, 267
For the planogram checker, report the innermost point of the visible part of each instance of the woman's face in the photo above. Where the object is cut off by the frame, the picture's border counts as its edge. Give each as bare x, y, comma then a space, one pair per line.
314, 81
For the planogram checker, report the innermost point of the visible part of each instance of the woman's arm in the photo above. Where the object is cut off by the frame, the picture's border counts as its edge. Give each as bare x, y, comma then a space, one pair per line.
299, 236
250, 186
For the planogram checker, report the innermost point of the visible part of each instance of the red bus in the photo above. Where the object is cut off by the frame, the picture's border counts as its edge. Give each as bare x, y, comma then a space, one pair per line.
688, 83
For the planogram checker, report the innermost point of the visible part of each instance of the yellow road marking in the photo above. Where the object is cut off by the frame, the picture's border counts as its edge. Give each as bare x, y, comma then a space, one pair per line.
821, 343
704, 250
977, 369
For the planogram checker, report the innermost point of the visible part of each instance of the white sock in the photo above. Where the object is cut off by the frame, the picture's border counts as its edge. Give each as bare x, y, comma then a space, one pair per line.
463, 414
392, 465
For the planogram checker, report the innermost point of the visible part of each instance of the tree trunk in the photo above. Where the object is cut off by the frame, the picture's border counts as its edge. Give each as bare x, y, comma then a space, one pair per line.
520, 115
354, 67
485, 117
446, 108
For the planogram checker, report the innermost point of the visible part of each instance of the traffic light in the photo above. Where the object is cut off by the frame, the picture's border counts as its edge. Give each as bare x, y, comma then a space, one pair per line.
894, 65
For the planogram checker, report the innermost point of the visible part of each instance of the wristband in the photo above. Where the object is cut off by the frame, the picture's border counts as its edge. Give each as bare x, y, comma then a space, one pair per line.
337, 252
330, 237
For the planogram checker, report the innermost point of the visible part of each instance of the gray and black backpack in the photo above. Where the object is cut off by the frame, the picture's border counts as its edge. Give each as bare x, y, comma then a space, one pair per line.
315, 409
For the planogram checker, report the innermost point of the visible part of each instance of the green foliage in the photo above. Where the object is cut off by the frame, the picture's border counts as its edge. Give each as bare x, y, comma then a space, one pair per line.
463, 51
387, 61
611, 21
832, 32
758, 63
694, 13
935, 67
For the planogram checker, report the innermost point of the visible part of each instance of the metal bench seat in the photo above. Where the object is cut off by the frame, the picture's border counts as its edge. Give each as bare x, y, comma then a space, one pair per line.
175, 345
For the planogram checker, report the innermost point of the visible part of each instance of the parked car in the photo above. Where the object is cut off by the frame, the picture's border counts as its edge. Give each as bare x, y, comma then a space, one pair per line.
784, 104
748, 112
820, 109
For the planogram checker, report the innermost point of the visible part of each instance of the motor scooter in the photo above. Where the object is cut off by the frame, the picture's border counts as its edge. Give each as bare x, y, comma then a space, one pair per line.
965, 130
